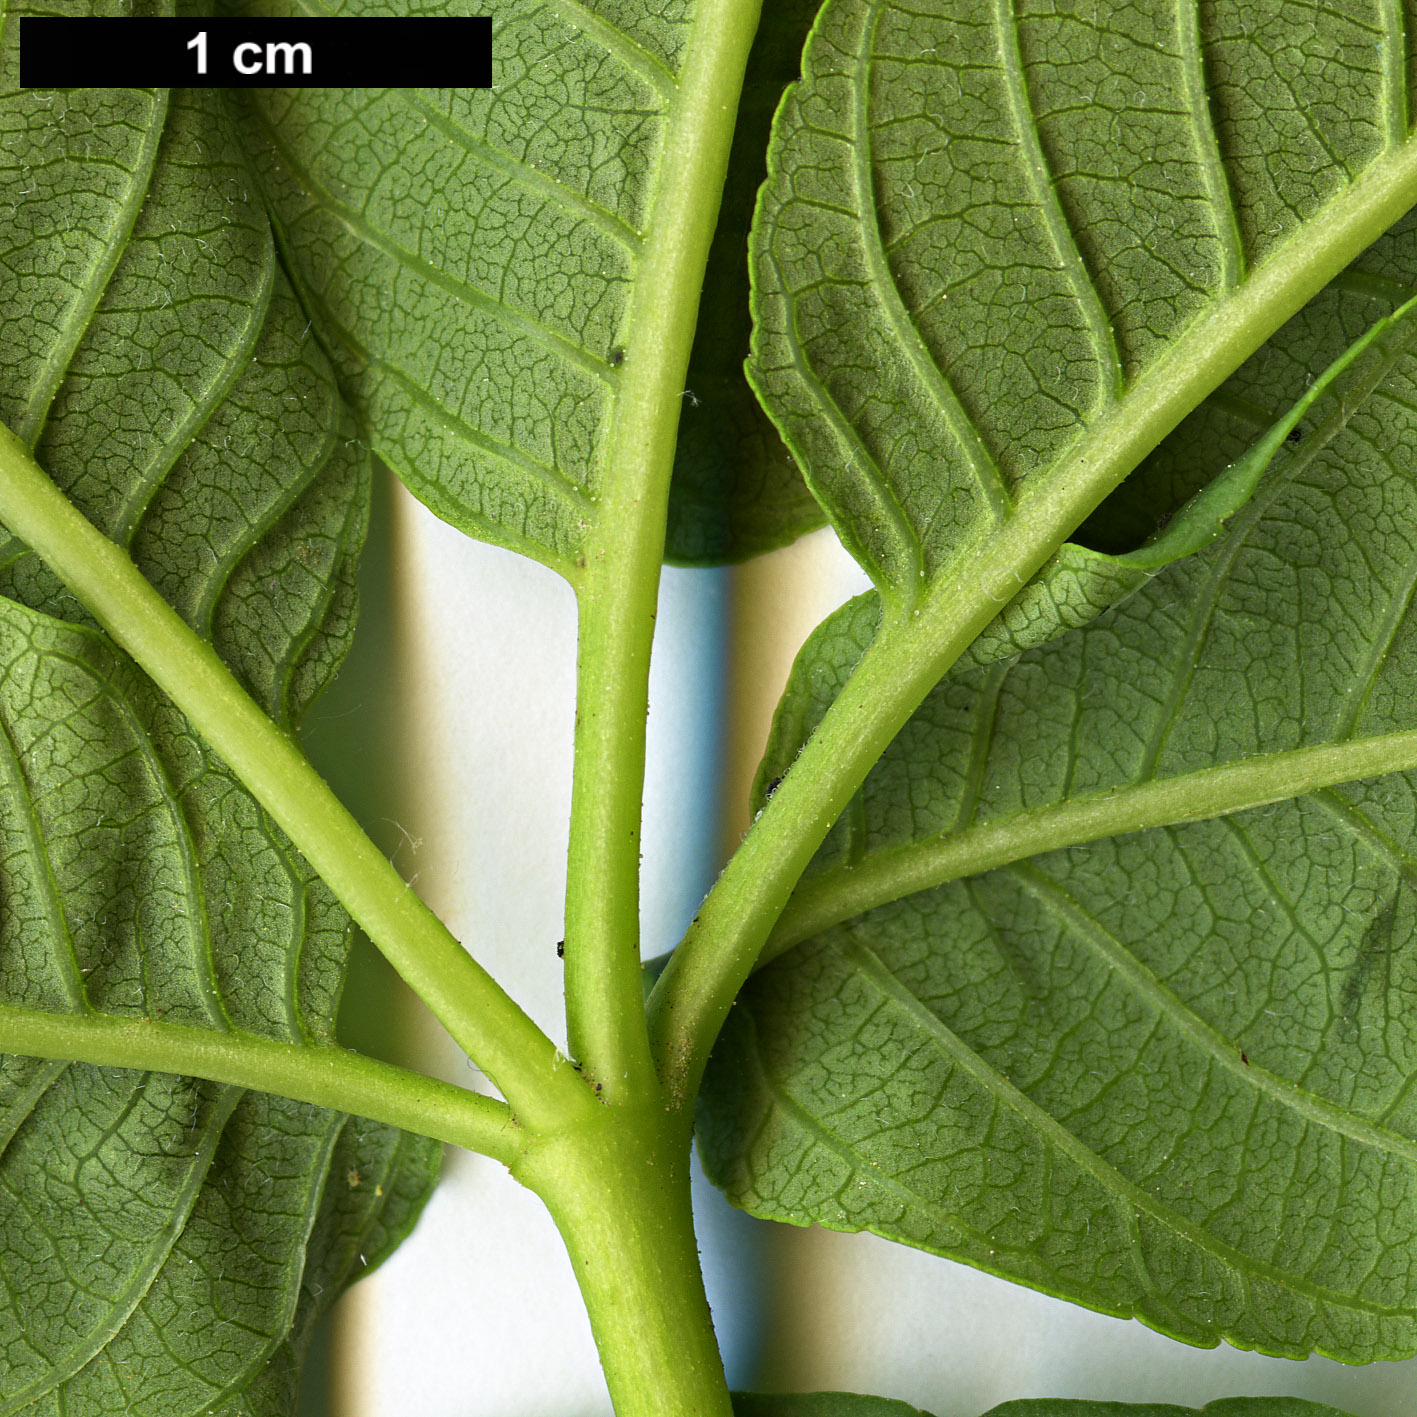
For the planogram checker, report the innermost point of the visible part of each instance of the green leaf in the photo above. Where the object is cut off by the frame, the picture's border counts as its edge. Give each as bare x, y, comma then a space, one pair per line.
1166, 1074
958, 321
470, 256
212, 1239
479, 311
156, 361
1078, 583
141, 881
166, 1244
1223, 1407
819, 1404
736, 490
846, 1404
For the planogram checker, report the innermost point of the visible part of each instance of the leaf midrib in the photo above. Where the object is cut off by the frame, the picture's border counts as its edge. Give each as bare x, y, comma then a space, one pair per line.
917, 644
885, 875
1219, 339
841, 892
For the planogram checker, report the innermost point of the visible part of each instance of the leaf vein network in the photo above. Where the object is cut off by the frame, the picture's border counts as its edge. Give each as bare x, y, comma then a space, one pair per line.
30, 423
1060, 232
985, 471
1084, 925
198, 930
21, 795
122, 1306
1004, 1093
629, 51
556, 482
472, 296
257, 528
1214, 174
575, 203
235, 363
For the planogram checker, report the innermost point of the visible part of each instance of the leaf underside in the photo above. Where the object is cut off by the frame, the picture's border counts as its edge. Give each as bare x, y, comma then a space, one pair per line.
849, 1404
819, 1404
469, 255
166, 1244
1164, 1074
157, 363
986, 224
1223, 1407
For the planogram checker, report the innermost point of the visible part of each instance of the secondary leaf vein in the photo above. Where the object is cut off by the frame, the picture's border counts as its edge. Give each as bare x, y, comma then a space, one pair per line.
984, 470
1040, 179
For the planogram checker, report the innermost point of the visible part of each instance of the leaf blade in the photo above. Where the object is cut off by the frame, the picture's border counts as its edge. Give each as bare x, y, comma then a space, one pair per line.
489, 388
150, 429
736, 491
897, 245
819, 1404
1221, 1407
845, 1404
156, 358
158, 947
999, 1001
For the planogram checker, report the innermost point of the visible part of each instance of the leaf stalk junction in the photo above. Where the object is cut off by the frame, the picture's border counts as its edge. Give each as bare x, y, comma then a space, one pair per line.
605, 1142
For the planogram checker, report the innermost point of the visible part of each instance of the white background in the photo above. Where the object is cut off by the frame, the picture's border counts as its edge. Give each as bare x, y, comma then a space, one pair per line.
477, 1315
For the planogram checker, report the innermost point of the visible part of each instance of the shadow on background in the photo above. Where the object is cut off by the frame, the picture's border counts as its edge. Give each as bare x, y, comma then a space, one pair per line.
738, 657
350, 736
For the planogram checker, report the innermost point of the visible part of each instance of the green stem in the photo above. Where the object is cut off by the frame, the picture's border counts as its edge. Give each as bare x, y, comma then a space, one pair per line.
697, 988
489, 1025
326, 1077
617, 582
921, 637
619, 1193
